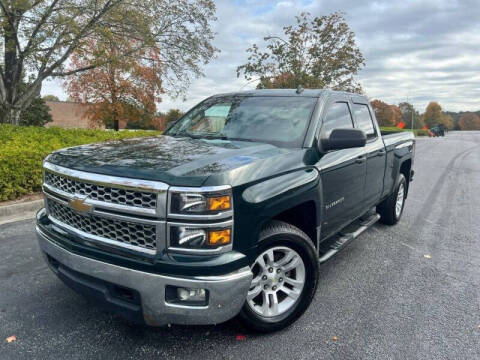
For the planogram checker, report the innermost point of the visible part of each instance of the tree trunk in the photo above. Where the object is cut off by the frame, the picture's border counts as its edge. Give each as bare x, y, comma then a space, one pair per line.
116, 125
12, 77
11, 115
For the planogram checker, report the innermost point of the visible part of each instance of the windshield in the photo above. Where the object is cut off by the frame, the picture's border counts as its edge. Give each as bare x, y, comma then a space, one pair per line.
282, 121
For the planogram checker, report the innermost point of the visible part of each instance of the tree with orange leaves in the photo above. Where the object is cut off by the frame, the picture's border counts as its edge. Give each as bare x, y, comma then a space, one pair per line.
122, 89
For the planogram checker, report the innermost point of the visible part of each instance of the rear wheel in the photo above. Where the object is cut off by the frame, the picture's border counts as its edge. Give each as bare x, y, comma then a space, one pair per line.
285, 276
391, 209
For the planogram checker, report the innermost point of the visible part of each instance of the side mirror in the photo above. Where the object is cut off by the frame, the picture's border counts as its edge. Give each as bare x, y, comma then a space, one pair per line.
344, 139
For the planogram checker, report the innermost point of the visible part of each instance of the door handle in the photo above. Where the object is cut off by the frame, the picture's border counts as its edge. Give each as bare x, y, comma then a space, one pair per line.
361, 159
381, 153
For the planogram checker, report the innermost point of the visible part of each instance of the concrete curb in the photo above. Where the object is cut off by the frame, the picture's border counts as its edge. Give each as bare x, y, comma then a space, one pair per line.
20, 211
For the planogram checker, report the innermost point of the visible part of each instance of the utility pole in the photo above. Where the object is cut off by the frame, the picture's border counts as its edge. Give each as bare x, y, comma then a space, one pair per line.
412, 115
411, 110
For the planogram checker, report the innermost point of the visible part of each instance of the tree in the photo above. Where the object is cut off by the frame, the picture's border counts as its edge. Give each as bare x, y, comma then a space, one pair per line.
123, 89
317, 53
383, 113
446, 120
396, 114
173, 115
469, 121
37, 114
433, 114
50, 98
407, 109
38, 37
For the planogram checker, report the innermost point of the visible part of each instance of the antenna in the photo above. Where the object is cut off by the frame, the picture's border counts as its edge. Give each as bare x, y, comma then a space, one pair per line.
299, 89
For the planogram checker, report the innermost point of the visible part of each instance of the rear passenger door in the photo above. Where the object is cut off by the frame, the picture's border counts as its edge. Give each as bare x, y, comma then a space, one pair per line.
374, 150
342, 172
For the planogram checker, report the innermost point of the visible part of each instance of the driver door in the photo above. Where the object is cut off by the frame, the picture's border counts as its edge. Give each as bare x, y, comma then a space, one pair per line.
342, 172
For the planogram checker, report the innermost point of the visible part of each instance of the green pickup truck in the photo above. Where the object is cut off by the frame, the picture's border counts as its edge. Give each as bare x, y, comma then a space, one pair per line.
231, 212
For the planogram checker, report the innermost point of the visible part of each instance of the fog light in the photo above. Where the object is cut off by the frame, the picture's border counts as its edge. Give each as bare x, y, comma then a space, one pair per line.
191, 295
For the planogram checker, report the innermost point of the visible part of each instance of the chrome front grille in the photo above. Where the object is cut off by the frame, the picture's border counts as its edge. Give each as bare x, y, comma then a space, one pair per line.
134, 198
124, 232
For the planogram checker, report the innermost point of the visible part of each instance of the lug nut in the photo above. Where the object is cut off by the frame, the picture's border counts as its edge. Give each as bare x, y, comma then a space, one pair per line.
281, 279
278, 271
270, 270
274, 288
265, 287
264, 277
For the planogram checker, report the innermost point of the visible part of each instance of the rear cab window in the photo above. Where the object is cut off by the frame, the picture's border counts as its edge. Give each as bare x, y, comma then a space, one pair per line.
364, 120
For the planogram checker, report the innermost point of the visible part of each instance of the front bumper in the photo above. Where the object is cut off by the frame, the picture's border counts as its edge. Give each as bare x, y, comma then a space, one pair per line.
226, 293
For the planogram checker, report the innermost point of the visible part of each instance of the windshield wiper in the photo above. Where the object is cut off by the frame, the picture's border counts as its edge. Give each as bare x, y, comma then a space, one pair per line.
213, 136
203, 135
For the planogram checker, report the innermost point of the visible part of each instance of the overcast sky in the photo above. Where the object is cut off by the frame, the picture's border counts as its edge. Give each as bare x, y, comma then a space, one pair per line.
427, 50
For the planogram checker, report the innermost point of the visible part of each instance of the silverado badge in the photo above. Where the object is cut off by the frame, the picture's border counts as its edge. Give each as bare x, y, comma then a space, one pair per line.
79, 205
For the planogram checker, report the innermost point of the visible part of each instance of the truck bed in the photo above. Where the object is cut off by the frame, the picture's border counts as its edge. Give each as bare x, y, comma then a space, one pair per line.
397, 138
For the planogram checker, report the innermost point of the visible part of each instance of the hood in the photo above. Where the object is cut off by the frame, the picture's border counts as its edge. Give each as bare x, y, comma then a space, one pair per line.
178, 161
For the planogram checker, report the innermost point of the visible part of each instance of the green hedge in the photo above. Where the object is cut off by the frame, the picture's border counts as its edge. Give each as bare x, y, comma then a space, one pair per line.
22, 150
417, 132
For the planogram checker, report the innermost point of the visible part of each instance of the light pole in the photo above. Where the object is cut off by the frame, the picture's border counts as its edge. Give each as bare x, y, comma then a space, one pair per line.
411, 110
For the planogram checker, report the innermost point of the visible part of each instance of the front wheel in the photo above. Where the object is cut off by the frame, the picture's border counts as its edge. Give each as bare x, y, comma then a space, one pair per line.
285, 276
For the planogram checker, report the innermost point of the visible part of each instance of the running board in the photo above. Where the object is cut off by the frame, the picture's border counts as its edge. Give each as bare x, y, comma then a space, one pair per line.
345, 238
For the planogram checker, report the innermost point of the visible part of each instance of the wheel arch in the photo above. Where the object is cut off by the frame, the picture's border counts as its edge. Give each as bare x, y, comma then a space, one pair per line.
293, 198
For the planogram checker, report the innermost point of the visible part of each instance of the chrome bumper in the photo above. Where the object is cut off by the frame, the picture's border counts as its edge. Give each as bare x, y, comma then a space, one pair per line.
227, 293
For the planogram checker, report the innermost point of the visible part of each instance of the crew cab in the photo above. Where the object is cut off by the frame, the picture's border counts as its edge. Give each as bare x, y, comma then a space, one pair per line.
230, 212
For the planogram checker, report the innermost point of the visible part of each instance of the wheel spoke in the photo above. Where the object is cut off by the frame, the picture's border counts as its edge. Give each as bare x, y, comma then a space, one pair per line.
261, 262
293, 282
274, 304
270, 257
256, 281
292, 264
288, 256
266, 304
294, 294
254, 293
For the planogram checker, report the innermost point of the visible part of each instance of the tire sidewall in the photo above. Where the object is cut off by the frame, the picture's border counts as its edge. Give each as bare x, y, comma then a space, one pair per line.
401, 180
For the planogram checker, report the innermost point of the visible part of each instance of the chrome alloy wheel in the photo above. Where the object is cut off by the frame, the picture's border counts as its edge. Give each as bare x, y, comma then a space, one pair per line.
400, 200
278, 280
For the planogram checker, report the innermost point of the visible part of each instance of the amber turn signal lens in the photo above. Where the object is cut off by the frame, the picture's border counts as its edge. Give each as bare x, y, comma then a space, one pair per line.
219, 237
219, 203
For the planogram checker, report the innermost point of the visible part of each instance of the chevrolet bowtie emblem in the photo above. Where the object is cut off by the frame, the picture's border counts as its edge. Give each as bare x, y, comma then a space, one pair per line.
79, 205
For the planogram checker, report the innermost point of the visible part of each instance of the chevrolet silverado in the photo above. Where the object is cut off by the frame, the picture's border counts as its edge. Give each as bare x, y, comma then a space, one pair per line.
230, 212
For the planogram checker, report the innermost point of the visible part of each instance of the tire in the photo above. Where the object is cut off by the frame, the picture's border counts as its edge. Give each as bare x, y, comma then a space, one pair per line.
289, 245
388, 209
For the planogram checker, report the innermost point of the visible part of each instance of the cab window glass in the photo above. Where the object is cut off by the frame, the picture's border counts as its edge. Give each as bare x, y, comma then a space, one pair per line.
364, 120
338, 117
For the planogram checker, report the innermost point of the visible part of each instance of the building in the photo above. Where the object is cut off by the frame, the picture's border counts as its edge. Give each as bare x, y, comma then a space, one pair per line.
70, 115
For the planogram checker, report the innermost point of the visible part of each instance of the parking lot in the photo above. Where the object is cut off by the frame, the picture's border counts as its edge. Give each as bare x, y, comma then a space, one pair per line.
411, 291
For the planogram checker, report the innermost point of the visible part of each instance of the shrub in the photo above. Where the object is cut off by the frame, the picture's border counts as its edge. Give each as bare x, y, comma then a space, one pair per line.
22, 150
393, 129
421, 132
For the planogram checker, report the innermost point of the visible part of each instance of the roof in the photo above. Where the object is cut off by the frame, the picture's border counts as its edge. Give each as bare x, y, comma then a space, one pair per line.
285, 92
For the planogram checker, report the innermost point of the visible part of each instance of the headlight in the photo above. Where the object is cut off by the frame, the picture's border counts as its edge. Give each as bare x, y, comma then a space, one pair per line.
200, 220
207, 238
196, 203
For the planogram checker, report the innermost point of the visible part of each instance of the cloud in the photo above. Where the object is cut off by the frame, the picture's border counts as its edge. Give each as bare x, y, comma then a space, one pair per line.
426, 50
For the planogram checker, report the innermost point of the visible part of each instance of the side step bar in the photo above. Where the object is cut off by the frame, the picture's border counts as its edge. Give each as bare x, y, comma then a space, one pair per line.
345, 238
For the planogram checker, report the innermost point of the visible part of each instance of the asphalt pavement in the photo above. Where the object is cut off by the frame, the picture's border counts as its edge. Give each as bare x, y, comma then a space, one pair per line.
411, 291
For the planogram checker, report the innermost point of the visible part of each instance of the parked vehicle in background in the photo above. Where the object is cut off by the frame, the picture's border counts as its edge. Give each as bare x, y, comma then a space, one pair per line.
438, 130
231, 212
